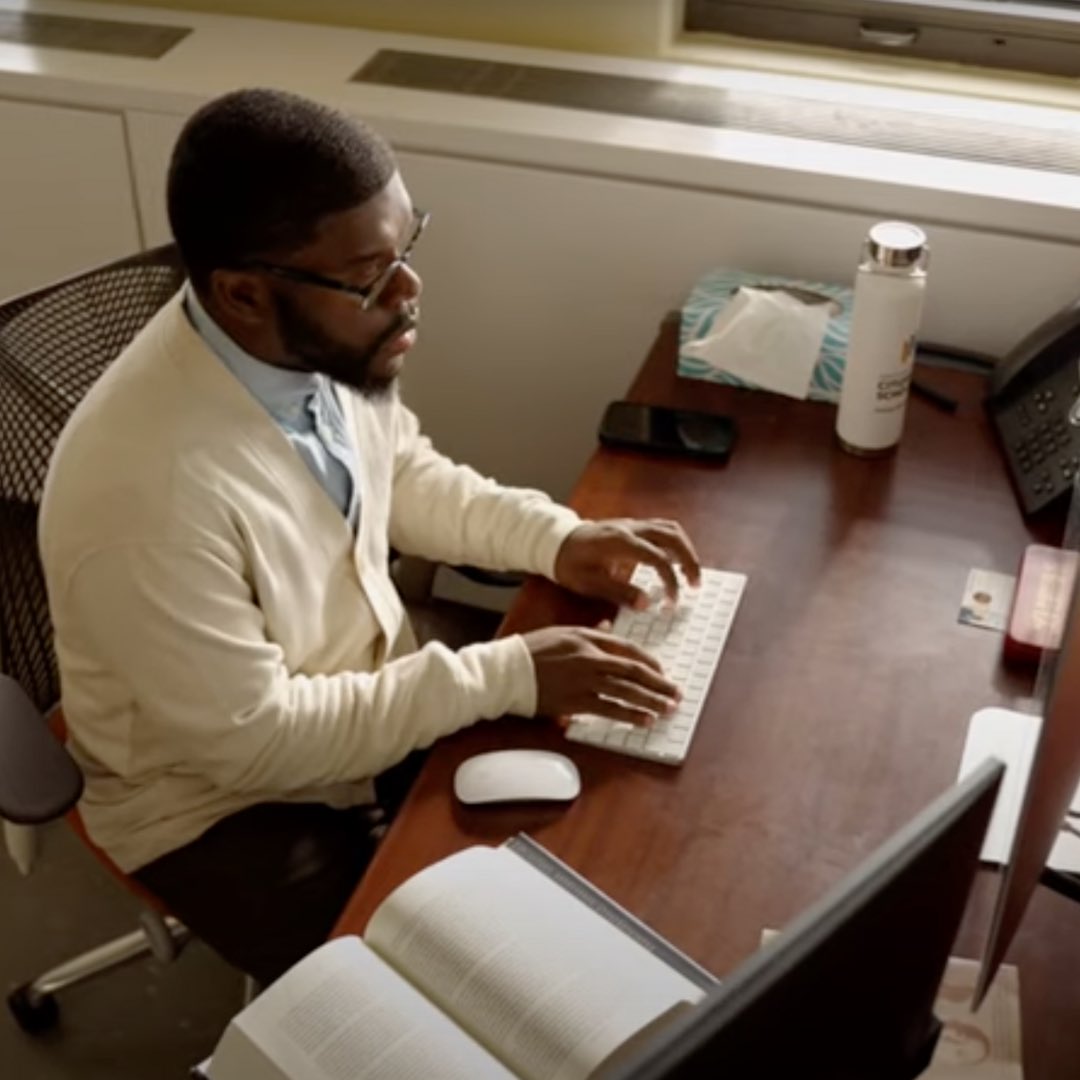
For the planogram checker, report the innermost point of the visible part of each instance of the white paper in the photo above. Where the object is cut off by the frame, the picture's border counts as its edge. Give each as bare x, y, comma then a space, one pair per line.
768, 338
1013, 737
536, 976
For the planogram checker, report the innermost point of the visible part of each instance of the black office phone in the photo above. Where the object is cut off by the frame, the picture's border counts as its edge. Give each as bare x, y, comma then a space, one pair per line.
1031, 394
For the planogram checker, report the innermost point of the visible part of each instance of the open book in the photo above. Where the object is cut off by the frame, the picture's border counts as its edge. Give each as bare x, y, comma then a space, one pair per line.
494, 962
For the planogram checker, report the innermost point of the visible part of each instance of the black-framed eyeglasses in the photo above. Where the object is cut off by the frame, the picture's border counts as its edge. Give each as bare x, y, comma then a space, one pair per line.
367, 294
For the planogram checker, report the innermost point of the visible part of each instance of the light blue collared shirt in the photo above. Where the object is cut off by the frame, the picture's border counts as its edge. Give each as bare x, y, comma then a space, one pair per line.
301, 403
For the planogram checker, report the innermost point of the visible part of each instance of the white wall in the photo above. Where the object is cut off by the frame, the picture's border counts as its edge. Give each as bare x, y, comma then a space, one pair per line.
66, 199
561, 237
543, 289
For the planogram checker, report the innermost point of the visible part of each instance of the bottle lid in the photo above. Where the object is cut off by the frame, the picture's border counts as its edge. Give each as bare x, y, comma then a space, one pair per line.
896, 243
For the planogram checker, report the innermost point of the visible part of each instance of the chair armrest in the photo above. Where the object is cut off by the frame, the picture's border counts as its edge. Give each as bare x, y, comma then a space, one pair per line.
39, 780
506, 579
414, 576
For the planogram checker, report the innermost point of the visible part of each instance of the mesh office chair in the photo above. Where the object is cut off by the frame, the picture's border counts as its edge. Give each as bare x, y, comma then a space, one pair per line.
54, 343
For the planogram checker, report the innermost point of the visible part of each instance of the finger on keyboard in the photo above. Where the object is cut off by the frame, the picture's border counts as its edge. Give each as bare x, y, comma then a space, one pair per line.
685, 642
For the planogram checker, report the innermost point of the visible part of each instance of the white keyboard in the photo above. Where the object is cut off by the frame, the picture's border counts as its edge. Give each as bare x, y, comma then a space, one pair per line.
688, 640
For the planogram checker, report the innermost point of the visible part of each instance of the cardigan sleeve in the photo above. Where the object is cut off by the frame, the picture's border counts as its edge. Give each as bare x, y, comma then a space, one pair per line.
180, 626
450, 513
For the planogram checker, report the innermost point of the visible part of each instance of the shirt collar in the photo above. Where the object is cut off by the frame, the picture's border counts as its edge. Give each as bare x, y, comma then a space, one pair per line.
283, 392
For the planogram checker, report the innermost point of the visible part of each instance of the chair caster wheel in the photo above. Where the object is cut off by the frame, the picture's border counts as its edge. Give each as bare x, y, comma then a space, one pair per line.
34, 1013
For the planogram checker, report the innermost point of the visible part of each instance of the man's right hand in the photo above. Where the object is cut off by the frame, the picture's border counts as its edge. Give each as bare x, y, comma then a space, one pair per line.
580, 670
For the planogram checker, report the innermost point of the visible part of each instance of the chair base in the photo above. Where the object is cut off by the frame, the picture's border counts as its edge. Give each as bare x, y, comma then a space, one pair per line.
33, 1004
22, 845
34, 1013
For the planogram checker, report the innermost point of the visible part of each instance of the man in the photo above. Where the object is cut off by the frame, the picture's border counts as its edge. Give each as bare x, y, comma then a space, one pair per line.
237, 666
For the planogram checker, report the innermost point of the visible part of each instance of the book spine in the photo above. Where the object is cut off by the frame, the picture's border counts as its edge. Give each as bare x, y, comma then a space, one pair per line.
582, 889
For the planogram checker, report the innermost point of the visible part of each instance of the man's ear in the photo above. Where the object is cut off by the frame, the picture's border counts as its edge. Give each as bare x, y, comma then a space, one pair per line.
242, 295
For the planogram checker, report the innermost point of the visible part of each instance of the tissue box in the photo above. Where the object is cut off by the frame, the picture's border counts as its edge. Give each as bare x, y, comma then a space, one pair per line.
714, 292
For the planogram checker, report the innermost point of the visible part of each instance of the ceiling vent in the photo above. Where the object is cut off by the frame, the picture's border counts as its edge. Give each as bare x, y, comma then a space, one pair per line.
145, 41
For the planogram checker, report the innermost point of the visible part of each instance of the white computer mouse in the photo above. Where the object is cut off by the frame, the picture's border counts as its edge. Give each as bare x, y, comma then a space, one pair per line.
516, 776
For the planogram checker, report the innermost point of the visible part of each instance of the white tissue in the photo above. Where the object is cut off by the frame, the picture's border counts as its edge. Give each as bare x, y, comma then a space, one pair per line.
767, 338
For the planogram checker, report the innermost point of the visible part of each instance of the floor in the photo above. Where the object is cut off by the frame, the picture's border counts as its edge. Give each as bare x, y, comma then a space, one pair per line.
146, 1019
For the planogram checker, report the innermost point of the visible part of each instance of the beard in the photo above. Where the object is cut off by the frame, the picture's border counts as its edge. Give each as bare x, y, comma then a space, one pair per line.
312, 349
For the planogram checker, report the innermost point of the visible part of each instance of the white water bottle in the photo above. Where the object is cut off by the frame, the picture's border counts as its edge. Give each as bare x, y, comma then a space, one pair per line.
889, 289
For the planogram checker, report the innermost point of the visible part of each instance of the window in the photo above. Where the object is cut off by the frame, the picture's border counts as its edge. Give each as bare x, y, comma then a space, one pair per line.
1027, 35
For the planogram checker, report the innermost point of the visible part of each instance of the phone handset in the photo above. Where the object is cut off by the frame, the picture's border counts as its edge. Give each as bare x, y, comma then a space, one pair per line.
1051, 344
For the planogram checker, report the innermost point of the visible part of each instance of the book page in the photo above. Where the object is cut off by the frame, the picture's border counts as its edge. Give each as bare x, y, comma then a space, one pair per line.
544, 982
342, 1014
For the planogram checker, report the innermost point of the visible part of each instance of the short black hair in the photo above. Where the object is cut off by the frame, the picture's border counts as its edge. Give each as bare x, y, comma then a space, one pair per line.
254, 171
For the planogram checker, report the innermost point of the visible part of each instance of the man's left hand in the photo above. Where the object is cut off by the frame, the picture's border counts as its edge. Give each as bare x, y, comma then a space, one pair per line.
597, 558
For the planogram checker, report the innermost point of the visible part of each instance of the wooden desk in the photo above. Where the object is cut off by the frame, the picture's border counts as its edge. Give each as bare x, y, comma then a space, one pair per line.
841, 702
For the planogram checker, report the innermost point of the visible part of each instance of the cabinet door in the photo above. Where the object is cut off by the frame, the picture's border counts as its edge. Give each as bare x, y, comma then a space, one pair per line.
66, 200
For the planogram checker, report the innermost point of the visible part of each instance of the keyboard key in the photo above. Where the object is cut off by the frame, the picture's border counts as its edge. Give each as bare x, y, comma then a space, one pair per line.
689, 642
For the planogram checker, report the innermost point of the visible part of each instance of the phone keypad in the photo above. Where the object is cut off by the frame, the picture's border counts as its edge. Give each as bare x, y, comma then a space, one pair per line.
1043, 442
1042, 447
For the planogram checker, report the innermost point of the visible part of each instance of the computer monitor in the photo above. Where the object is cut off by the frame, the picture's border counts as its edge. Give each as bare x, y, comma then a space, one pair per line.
847, 991
1052, 782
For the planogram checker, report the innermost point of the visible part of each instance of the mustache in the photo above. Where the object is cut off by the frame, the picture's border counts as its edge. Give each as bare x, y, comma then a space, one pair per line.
406, 319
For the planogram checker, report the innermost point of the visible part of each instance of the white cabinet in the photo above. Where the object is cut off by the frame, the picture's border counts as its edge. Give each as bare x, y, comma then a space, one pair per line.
66, 200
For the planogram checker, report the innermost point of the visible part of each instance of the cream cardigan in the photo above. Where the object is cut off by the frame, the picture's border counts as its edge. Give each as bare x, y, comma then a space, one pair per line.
223, 638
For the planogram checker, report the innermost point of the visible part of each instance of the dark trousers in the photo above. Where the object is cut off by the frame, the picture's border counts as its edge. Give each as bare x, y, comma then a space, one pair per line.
263, 887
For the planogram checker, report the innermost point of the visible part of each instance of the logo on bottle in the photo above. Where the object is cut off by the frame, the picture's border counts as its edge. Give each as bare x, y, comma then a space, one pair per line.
892, 389
907, 351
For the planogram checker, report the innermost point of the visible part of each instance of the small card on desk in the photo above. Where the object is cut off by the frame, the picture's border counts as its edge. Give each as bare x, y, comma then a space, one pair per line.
987, 599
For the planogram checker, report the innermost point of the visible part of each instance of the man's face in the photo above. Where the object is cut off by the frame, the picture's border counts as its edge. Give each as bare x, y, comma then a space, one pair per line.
323, 330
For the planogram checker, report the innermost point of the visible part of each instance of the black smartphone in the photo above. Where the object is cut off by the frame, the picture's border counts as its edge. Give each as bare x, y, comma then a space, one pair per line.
671, 431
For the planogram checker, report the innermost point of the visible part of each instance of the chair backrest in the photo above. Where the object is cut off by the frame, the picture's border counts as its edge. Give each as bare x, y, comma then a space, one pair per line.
54, 343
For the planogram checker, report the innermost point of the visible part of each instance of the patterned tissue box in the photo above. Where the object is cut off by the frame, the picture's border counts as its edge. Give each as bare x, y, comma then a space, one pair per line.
714, 292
